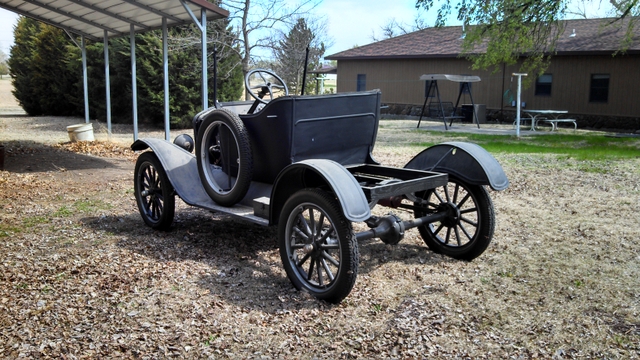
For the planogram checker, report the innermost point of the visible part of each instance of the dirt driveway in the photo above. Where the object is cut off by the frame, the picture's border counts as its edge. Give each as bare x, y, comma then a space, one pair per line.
82, 277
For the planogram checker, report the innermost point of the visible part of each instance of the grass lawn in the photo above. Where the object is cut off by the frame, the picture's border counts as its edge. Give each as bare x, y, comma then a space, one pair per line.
582, 145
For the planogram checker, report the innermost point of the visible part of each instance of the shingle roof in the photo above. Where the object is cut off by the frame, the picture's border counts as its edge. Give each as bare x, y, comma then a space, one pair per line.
592, 37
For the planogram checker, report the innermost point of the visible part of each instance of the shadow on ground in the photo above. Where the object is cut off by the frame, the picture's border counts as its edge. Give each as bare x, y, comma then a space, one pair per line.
32, 157
243, 258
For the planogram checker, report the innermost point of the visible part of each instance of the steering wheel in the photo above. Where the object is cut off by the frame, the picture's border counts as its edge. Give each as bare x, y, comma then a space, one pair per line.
266, 81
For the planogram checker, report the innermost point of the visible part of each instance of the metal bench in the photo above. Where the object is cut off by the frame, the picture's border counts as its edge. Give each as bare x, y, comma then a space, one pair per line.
554, 123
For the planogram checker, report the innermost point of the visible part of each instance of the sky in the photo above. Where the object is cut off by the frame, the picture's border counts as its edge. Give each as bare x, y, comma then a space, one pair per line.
354, 22
350, 22
7, 20
357, 18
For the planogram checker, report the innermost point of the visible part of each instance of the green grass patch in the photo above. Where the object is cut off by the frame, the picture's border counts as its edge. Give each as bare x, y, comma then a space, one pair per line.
32, 221
577, 146
81, 206
7, 230
91, 205
63, 211
22, 286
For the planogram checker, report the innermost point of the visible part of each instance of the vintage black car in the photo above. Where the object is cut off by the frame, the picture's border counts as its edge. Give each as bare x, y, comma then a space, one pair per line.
304, 164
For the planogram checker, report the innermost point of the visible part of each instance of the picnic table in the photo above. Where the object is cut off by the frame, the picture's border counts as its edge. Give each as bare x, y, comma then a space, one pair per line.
550, 116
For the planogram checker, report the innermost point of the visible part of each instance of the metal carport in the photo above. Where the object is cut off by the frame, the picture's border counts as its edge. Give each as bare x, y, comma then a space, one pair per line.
101, 20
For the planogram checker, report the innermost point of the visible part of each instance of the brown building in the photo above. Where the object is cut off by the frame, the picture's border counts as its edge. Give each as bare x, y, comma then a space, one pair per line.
583, 77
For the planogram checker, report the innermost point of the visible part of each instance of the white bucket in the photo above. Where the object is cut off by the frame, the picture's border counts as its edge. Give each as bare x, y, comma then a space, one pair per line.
80, 132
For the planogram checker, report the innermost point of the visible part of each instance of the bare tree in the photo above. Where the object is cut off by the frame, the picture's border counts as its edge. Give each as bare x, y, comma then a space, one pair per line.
394, 28
221, 38
584, 9
258, 21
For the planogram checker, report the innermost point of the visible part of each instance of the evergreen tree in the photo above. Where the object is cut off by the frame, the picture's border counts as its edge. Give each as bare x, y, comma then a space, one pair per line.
47, 71
22, 54
96, 79
290, 56
52, 82
42, 83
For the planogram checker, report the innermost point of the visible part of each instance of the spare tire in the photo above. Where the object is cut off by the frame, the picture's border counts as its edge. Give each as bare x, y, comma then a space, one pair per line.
225, 162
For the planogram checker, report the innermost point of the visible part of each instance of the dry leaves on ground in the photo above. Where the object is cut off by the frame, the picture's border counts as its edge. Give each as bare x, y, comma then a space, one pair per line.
82, 277
98, 148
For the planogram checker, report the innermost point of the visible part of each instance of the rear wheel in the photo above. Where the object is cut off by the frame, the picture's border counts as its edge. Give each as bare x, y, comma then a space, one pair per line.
318, 248
225, 162
154, 193
467, 232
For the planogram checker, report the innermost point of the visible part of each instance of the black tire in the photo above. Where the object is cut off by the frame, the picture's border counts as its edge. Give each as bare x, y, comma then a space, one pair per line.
154, 193
327, 266
467, 233
225, 162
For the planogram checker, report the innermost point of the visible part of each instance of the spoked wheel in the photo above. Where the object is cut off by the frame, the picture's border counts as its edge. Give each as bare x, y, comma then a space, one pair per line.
154, 193
467, 231
318, 248
225, 162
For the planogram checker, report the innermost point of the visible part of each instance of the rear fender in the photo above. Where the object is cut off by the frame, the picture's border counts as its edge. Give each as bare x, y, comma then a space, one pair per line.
320, 173
465, 161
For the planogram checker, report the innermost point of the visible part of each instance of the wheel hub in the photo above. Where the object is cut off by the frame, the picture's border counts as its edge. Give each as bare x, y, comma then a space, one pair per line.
308, 249
453, 214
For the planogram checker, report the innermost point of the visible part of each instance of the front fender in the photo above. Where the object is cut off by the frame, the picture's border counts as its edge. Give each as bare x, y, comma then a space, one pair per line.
181, 168
466, 161
314, 173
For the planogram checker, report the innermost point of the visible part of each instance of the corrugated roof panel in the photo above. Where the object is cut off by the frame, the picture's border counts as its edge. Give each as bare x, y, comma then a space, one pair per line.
92, 17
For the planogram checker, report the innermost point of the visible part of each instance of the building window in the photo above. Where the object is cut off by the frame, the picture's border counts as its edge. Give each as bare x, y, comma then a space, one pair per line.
543, 85
599, 91
362, 82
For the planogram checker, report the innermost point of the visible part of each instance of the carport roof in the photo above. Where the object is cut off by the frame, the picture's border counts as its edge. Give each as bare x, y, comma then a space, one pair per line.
92, 18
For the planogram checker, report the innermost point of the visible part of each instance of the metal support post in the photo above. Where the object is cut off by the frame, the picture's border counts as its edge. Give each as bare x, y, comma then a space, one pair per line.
205, 77
202, 25
134, 86
107, 81
85, 81
165, 66
519, 75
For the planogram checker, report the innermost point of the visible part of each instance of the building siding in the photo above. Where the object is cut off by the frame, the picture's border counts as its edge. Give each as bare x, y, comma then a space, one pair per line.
398, 79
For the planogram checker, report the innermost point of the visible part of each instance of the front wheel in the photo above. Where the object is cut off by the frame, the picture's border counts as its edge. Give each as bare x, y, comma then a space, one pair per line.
317, 245
154, 193
467, 231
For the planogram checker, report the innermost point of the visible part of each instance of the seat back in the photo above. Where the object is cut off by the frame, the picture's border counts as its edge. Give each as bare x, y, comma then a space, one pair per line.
340, 127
